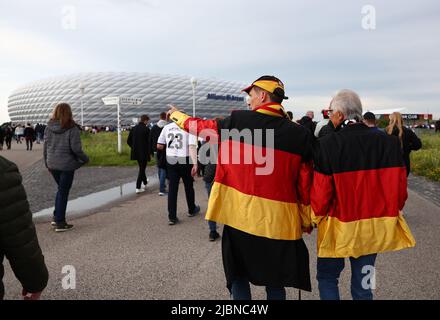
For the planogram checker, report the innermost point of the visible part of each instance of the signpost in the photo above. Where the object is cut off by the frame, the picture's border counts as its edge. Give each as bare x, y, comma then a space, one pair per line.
118, 101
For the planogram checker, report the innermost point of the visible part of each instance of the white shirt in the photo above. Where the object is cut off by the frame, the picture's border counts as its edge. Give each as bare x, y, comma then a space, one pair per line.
176, 140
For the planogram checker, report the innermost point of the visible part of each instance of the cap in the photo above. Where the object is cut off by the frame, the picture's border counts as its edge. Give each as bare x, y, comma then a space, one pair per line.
269, 83
369, 116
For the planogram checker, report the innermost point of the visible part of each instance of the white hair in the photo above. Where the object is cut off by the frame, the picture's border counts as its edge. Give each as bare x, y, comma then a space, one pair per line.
348, 103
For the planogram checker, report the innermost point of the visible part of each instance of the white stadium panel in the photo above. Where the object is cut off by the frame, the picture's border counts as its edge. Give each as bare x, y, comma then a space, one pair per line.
34, 102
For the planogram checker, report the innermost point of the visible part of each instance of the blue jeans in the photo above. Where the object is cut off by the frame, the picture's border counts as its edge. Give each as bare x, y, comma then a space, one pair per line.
162, 177
162, 173
241, 290
329, 270
64, 180
212, 225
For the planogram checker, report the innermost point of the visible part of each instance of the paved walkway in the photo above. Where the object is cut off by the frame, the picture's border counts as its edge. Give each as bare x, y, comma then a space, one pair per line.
20, 156
41, 188
428, 189
128, 251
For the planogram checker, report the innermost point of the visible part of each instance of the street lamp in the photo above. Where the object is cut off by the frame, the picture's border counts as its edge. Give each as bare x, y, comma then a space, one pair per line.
194, 84
82, 88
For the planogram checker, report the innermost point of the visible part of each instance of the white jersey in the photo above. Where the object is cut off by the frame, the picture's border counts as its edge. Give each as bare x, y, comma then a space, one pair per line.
177, 141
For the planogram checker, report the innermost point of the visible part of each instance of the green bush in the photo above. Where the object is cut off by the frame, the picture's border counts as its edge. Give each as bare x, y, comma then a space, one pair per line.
426, 162
102, 149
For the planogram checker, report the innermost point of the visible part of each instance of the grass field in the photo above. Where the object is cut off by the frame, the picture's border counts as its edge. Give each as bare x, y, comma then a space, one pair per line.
102, 149
426, 162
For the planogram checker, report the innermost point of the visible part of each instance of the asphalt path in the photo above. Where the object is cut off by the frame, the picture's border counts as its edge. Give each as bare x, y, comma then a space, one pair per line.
128, 251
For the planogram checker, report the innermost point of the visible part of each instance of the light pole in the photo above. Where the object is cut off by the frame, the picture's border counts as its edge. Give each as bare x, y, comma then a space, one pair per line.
119, 128
194, 84
82, 89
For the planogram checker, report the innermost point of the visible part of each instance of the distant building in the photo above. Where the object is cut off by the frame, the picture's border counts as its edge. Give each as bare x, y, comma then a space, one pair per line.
410, 118
34, 102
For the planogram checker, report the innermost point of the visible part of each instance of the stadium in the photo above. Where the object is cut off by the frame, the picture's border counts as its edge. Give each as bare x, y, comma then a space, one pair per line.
35, 101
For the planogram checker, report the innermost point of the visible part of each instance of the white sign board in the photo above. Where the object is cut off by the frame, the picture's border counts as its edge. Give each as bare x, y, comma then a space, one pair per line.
110, 100
131, 101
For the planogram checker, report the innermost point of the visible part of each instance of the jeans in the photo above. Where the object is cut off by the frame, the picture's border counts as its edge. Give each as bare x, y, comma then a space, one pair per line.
142, 178
175, 172
8, 143
64, 180
162, 178
162, 173
241, 290
329, 270
29, 144
212, 225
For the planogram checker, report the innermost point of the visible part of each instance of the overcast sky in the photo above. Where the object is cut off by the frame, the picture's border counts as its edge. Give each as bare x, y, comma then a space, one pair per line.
392, 58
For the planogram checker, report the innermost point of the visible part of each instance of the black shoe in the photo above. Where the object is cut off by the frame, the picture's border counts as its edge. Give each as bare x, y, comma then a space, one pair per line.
213, 235
196, 211
61, 227
172, 222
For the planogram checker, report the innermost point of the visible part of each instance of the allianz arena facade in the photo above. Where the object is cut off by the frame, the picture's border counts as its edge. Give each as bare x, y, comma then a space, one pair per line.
34, 102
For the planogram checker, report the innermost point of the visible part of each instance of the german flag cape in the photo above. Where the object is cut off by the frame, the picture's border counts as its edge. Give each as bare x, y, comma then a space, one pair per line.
359, 190
274, 205
261, 194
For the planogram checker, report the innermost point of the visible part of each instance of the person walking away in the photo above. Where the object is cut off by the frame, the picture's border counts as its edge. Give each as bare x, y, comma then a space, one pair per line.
63, 155
2, 137
139, 142
18, 238
39, 132
181, 156
359, 189
321, 123
29, 136
408, 139
307, 123
19, 132
159, 155
208, 178
264, 207
9, 133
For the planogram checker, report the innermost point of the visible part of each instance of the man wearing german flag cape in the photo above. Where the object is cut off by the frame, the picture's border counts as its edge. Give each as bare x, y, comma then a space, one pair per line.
264, 206
359, 189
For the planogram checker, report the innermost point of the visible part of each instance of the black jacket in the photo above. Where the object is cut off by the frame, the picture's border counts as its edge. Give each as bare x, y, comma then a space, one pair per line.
18, 238
139, 142
327, 129
154, 136
29, 133
308, 123
410, 142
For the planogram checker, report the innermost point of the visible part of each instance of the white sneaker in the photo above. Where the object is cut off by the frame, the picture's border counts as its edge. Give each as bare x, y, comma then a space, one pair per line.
161, 194
140, 190
145, 185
